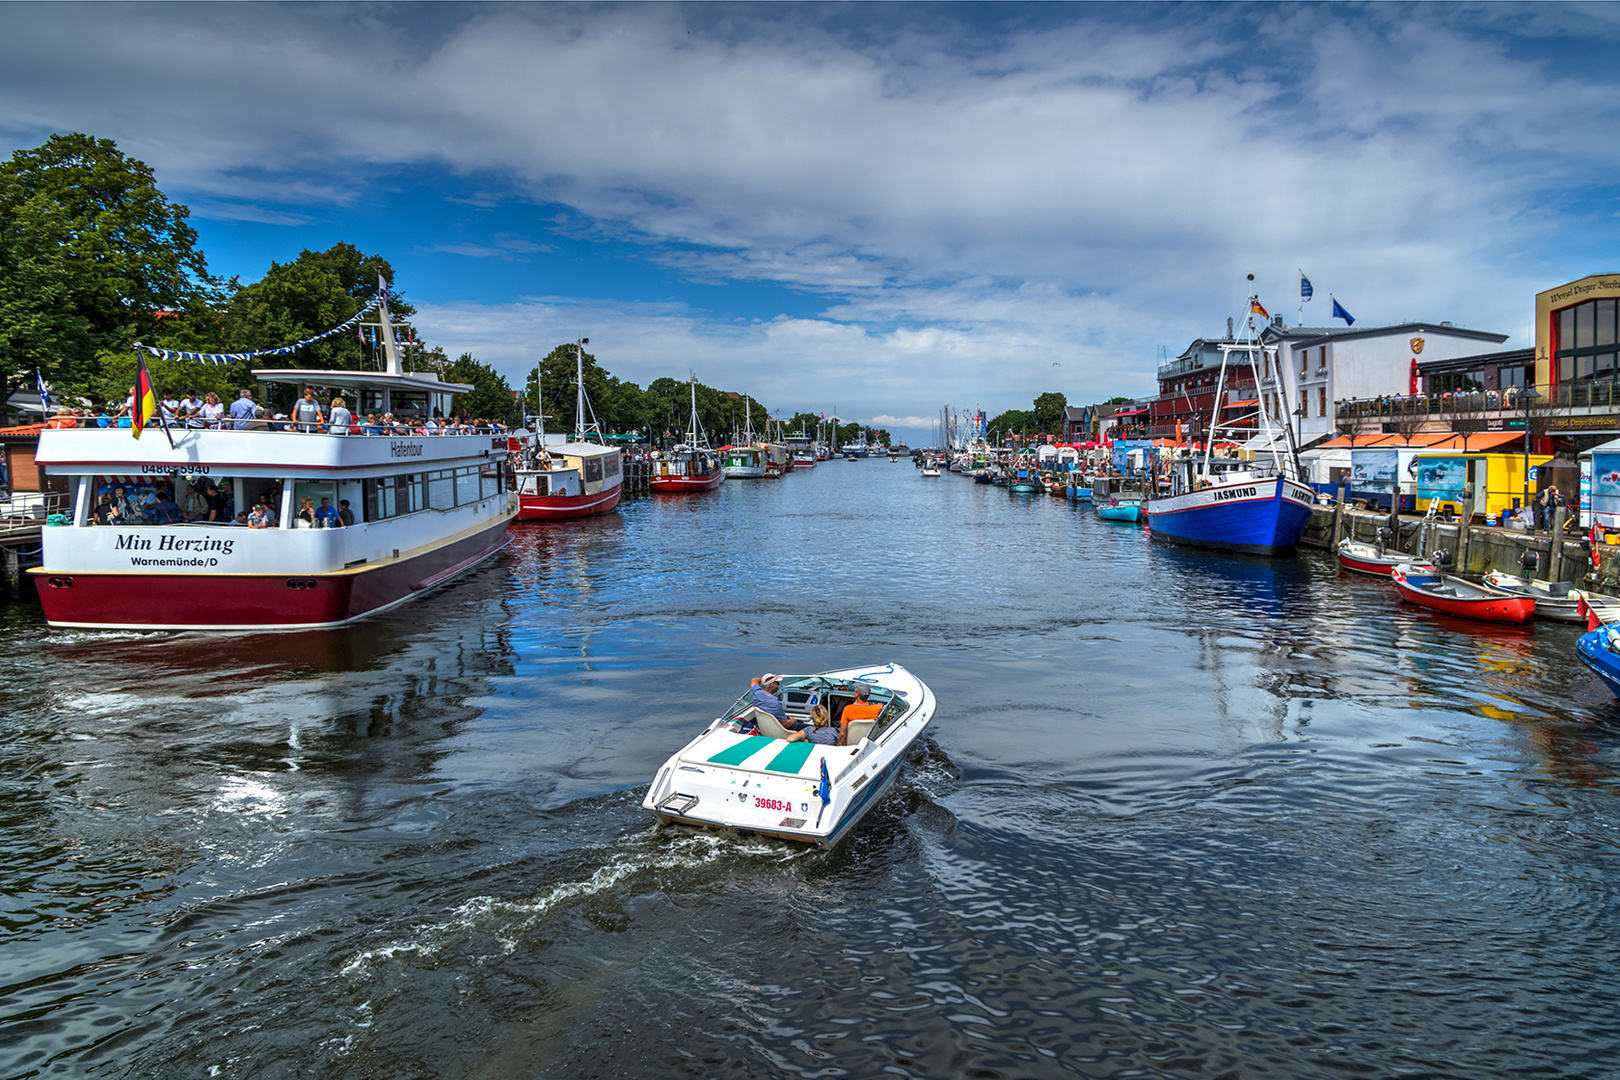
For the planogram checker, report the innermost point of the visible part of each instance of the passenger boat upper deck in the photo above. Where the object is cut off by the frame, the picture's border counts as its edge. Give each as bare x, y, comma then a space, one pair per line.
253, 524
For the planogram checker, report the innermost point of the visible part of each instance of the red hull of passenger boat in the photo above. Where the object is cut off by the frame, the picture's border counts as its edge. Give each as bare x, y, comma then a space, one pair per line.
561, 507
149, 601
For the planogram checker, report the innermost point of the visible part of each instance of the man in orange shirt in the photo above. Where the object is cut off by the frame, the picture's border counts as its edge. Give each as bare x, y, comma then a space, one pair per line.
859, 709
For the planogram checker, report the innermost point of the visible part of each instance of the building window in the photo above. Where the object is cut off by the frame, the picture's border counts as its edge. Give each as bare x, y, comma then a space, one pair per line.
1321, 400
1304, 404
1586, 338
1451, 382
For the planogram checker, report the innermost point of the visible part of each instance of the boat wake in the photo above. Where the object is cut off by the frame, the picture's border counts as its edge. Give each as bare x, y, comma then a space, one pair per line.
653, 861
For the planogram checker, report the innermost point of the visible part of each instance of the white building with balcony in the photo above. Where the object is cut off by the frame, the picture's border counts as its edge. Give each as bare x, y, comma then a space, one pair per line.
1321, 365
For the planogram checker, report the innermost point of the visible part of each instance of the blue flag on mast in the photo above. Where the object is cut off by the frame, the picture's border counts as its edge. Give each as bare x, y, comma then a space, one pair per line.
1340, 313
1305, 290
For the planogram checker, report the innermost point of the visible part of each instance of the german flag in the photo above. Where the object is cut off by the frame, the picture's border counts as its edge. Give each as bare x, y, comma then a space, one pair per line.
1255, 308
146, 401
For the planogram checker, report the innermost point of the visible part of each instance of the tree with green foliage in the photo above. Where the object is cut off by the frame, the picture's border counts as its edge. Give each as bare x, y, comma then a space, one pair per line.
1047, 416
93, 257
310, 295
618, 406
1017, 421
491, 398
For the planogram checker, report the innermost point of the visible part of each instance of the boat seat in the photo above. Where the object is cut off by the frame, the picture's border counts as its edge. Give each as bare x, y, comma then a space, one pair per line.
858, 730
766, 723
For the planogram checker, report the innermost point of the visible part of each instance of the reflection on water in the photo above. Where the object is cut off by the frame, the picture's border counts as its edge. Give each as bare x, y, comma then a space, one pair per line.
1180, 814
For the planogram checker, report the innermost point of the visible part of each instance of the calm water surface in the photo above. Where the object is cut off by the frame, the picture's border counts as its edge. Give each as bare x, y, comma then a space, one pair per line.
1179, 815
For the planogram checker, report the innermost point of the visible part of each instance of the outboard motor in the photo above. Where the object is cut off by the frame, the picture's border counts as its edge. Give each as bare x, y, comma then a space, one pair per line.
1528, 563
1384, 538
1441, 558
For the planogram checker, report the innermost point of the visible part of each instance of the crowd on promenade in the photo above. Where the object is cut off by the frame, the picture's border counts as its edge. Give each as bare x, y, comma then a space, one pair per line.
246, 414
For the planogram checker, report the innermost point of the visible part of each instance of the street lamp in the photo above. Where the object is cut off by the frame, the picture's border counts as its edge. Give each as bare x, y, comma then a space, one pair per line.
1529, 397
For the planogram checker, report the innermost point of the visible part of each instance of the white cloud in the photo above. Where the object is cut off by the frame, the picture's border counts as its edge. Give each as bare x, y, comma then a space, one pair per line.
974, 203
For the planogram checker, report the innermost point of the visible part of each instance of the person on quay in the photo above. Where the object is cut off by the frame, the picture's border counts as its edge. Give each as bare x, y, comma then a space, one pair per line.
860, 709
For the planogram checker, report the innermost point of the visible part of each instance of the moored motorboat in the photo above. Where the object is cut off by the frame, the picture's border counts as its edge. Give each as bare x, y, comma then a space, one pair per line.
1369, 559
744, 460
1442, 592
559, 478
691, 466
1599, 648
1556, 599
1116, 498
801, 791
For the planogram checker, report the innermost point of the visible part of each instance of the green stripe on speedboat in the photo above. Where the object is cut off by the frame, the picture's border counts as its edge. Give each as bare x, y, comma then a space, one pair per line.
739, 752
792, 757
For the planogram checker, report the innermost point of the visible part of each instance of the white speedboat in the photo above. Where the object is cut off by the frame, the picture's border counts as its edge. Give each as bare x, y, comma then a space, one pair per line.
801, 791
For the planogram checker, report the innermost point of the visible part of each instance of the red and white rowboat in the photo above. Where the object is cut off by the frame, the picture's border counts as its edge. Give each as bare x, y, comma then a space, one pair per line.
1362, 558
1454, 596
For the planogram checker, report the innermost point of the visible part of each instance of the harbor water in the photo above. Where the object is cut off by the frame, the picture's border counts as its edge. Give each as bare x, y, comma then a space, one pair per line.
1178, 815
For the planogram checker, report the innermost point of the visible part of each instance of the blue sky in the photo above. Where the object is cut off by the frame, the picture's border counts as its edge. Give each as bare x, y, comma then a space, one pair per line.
878, 209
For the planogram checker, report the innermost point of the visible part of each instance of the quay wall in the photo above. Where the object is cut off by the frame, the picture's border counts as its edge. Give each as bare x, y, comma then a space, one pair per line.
1479, 549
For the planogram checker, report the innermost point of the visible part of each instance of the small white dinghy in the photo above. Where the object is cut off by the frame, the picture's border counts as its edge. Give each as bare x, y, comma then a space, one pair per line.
801, 791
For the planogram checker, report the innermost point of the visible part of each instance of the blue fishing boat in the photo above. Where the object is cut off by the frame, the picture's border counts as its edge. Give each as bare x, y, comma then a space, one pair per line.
1253, 506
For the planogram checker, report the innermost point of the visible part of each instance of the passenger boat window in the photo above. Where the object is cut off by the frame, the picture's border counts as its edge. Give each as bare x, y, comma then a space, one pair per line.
593, 470
467, 486
314, 491
441, 490
489, 480
391, 496
610, 465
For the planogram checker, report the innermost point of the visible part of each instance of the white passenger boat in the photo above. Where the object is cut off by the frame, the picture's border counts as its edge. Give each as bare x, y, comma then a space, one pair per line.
801, 791
425, 505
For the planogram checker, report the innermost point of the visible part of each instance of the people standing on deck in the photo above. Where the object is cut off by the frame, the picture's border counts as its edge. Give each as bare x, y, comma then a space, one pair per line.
326, 517
243, 409
307, 413
212, 411
339, 419
345, 515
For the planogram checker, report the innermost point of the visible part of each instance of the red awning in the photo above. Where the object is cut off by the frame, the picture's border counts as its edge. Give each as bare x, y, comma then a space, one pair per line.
1129, 412
1242, 404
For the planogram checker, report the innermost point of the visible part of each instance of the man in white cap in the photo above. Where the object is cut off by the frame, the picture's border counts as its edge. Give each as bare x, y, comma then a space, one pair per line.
764, 696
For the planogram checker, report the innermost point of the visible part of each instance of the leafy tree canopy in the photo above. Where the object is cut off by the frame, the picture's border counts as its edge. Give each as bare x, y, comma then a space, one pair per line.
1047, 416
310, 295
92, 257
